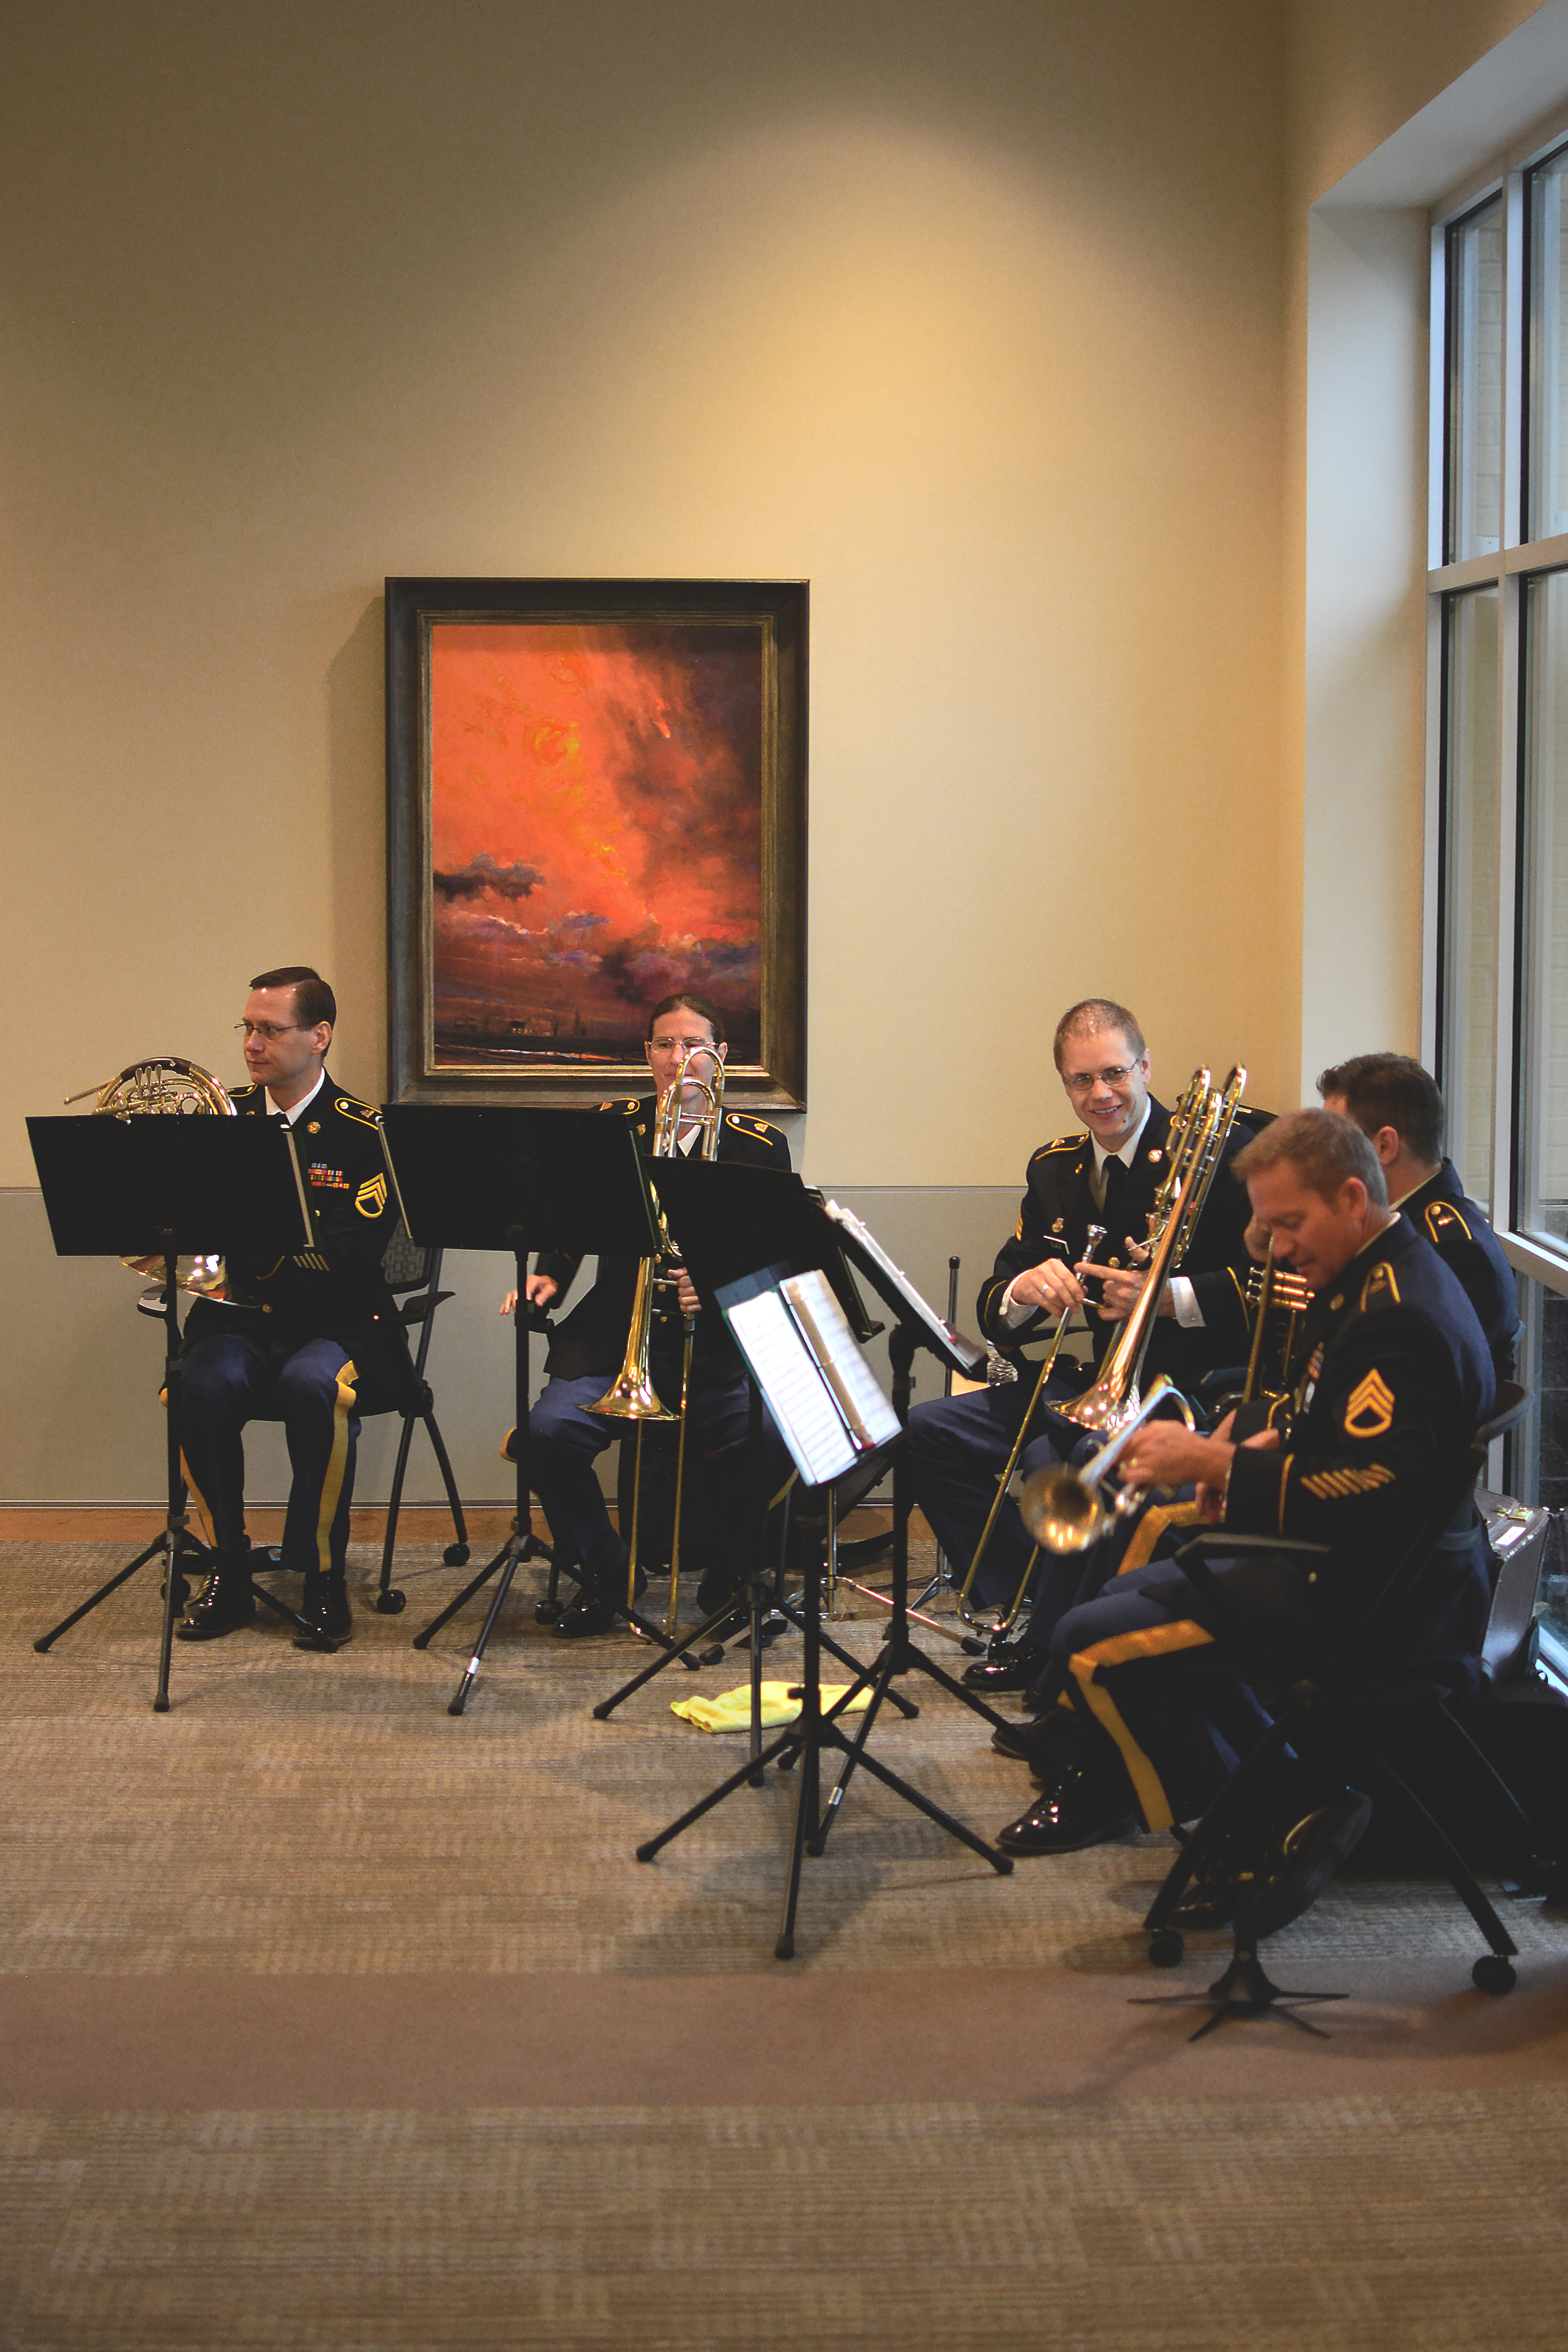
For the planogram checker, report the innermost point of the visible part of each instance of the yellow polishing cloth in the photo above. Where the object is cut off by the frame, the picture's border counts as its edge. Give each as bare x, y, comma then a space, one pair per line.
732, 1710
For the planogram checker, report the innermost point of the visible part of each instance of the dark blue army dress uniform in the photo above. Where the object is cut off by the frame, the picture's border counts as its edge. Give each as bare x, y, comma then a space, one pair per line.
1460, 1232
1398, 1376
959, 1446
565, 1438
292, 1342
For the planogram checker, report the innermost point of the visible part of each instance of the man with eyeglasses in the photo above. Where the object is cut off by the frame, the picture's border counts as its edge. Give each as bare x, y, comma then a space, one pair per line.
564, 1437
1106, 1175
293, 1337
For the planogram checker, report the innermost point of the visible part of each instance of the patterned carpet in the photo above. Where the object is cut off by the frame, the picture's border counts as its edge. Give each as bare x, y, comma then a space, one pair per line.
328, 2021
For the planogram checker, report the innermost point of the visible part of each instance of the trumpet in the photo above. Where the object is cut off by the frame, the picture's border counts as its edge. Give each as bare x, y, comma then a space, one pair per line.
1062, 1509
632, 1396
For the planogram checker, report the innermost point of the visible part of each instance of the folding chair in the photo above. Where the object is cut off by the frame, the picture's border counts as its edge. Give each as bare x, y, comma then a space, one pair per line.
1315, 1707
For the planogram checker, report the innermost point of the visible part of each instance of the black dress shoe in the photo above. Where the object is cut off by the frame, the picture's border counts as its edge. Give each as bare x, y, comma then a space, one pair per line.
1007, 1666
1304, 1847
588, 1615
329, 1622
1036, 1741
225, 1603
1084, 1803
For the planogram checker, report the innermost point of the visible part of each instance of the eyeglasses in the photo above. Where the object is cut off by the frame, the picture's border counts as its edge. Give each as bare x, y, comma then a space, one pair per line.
683, 1046
1116, 1076
267, 1031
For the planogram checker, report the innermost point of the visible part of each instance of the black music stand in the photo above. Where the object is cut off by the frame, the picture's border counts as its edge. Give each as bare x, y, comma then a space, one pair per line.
915, 1326
813, 1732
153, 1186
481, 1177
720, 1215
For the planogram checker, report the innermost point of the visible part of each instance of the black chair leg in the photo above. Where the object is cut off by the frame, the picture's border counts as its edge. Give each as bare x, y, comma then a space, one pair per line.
1384, 1781
456, 1554
388, 1602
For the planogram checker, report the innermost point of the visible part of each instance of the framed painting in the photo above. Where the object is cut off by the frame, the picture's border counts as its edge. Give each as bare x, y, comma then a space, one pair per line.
595, 798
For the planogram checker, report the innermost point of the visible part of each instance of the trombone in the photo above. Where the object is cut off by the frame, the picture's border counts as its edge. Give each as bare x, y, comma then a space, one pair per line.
1096, 1235
1206, 1117
632, 1396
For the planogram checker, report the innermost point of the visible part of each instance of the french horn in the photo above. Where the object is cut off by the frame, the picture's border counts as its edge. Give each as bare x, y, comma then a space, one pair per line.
168, 1087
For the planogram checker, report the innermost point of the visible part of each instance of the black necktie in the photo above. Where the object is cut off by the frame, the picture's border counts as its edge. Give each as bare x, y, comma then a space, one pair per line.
1115, 1178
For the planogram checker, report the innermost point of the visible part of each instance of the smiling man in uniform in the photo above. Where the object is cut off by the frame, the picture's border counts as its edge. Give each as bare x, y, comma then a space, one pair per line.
1106, 1174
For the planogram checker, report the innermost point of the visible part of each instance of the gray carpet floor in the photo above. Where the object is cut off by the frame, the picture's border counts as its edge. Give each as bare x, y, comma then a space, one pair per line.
327, 2020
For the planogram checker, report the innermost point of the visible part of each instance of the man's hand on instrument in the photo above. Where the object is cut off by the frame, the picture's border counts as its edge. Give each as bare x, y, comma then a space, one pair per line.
1122, 1287
1164, 1453
685, 1291
1052, 1285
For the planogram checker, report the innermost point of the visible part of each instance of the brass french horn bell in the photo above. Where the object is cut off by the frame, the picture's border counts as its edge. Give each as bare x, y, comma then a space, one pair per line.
167, 1087
1061, 1509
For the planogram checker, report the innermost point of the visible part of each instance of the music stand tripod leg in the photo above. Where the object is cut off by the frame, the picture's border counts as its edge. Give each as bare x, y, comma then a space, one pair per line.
521, 1545
174, 1532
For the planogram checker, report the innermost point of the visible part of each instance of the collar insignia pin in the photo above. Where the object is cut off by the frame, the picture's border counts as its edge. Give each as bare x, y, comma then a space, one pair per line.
314, 1128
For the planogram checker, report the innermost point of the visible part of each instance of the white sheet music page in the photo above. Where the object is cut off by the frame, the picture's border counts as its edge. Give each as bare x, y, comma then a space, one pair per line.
797, 1395
810, 1299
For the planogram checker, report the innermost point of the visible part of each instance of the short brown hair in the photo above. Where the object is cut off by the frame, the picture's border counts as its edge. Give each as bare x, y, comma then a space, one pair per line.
314, 999
1088, 1018
1390, 1090
683, 998
1322, 1148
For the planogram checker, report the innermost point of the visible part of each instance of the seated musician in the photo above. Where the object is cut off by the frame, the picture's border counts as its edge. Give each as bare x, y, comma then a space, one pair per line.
1397, 1376
565, 1438
293, 1337
1106, 1174
1396, 1102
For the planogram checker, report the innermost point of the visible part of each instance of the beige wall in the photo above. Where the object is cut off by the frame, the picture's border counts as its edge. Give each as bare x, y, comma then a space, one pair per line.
970, 317
1359, 69
990, 323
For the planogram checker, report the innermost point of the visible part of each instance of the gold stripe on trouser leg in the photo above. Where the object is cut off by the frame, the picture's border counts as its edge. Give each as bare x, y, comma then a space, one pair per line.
1150, 1642
1151, 1528
200, 1501
343, 1404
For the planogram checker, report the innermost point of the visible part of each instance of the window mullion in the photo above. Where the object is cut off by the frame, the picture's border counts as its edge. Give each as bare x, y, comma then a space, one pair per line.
1511, 610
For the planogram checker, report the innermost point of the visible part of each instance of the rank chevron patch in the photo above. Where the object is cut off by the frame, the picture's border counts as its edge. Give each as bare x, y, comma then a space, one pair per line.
1371, 1408
371, 1198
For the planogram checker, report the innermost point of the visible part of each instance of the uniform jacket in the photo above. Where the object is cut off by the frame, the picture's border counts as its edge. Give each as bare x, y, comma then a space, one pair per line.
1058, 1207
334, 1289
593, 1338
1397, 1376
1459, 1232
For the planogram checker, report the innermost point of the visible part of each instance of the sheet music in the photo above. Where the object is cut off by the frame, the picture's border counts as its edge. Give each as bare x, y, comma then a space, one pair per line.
867, 1241
810, 1299
797, 1395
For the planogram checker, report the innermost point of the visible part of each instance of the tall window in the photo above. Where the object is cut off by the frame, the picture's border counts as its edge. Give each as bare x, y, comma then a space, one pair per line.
1500, 592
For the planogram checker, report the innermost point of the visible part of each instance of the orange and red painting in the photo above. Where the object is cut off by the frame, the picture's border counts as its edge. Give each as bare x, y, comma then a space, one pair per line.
595, 837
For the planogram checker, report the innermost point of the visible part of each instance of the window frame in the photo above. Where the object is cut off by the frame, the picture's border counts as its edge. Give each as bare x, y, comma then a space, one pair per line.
1516, 563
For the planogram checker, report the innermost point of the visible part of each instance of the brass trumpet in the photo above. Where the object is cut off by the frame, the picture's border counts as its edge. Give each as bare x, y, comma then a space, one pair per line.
1061, 1509
632, 1396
